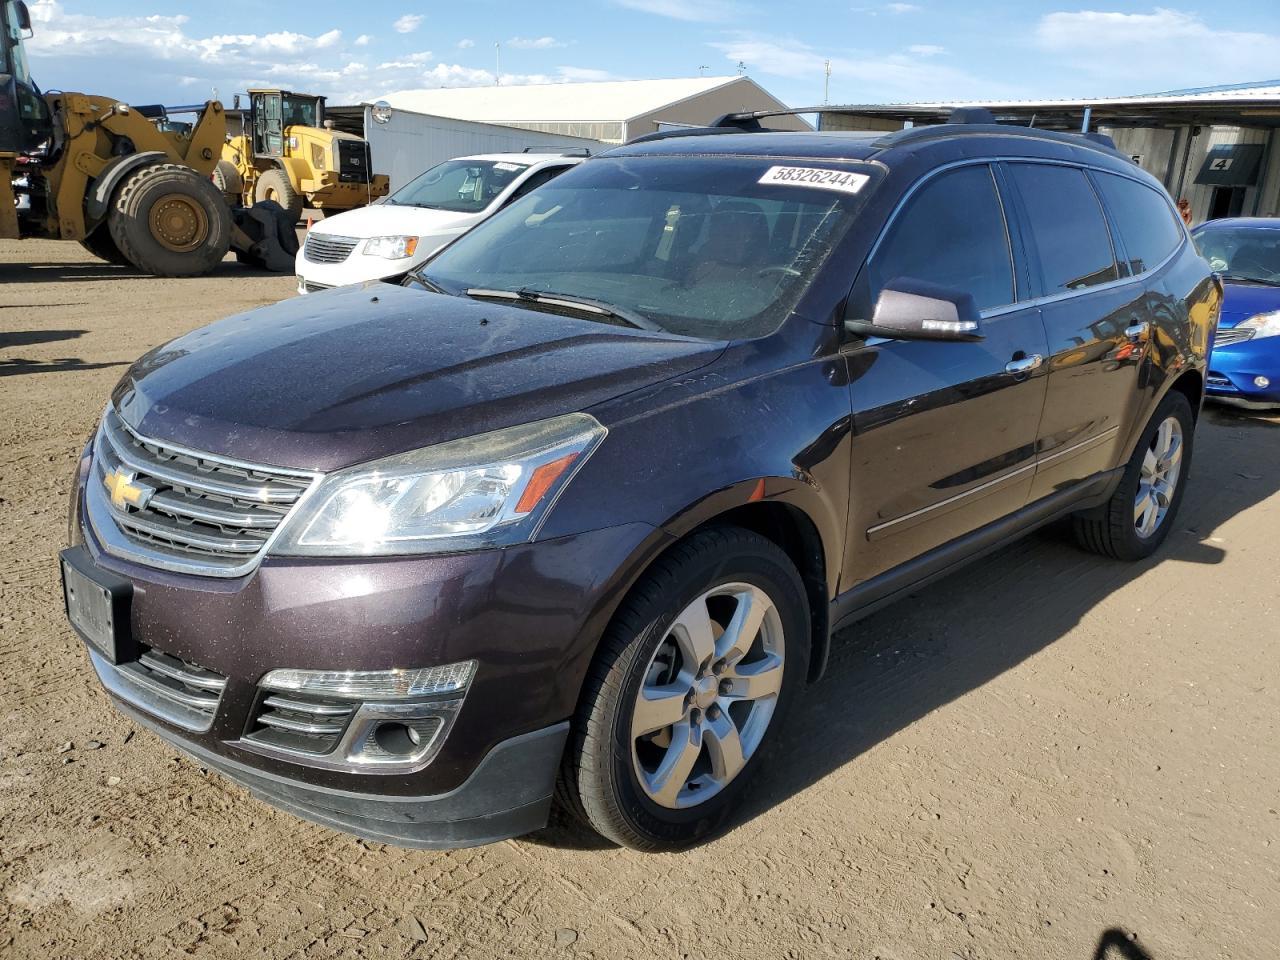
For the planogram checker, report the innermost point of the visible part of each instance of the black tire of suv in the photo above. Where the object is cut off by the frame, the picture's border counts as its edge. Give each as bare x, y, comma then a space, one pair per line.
1109, 529
598, 782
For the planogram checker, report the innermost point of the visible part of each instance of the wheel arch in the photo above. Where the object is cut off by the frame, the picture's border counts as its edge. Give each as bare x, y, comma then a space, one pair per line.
103, 188
1191, 385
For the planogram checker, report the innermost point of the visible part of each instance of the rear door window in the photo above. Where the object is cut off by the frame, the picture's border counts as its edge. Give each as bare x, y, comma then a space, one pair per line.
952, 232
1146, 221
1067, 226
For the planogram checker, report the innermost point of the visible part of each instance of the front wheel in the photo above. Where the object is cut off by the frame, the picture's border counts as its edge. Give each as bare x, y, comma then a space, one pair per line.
169, 221
687, 691
1138, 517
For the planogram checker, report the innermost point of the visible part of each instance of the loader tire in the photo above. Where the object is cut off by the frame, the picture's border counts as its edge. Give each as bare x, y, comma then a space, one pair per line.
169, 221
227, 178
275, 185
100, 244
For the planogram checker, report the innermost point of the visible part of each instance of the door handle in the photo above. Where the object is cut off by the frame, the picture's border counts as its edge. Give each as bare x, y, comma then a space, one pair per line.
1024, 364
1137, 331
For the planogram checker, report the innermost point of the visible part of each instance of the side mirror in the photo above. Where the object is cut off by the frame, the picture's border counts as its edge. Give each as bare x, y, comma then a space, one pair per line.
24, 17
910, 309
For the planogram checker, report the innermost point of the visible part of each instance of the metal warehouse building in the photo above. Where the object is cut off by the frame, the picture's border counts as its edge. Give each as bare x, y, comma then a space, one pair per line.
1215, 146
613, 111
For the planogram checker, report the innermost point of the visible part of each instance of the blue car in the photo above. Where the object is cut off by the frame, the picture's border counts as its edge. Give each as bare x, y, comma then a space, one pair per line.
1244, 366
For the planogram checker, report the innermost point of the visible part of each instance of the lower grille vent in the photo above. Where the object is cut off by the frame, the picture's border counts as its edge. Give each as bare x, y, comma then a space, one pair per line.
302, 722
178, 690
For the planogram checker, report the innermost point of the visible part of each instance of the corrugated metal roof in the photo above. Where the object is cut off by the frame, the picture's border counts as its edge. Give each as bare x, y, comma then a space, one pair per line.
1228, 93
593, 102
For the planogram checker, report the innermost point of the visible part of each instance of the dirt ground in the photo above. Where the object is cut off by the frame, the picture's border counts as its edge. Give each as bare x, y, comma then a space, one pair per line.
1047, 755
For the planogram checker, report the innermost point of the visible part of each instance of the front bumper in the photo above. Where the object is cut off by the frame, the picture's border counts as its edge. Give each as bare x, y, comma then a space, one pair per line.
508, 794
526, 614
1233, 370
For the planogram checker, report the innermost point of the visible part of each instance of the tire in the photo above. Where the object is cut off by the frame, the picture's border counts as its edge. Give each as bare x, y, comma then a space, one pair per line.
601, 776
169, 221
275, 185
227, 179
100, 244
1119, 528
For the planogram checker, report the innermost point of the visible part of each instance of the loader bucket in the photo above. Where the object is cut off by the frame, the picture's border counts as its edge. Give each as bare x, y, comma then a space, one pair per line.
265, 236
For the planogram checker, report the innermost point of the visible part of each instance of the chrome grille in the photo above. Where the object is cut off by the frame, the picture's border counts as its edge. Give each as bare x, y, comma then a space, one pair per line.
180, 691
302, 722
190, 511
325, 248
1233, 335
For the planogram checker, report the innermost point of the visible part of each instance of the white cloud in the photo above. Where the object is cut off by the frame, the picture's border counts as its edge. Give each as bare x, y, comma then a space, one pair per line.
1151, 51
408, 23
691, 10
410, 62
902, 7
534, 43
926, 49
466, 44
867, 77
363, 40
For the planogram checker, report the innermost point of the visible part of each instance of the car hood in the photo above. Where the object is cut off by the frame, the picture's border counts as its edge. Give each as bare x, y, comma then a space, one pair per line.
393, 220
361, 372
1240, 301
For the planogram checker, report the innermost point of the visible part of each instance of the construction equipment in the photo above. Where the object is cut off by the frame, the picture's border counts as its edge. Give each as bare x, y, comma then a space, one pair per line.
129, 183
286, 152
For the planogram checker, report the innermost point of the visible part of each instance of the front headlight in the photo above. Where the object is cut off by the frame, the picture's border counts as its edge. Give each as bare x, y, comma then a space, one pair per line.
391, 248
482, 491
1262, 325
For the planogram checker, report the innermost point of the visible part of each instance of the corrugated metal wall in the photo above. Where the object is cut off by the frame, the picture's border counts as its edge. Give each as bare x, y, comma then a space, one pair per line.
1157, 147
411, 142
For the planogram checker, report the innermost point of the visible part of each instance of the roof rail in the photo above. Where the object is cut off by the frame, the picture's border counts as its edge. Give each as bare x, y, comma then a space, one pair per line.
559, 151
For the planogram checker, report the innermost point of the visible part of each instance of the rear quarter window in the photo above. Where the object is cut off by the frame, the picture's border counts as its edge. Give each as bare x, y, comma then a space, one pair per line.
1144, 218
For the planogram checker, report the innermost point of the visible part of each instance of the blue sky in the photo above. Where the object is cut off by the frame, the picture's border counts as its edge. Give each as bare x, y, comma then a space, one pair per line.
151, 50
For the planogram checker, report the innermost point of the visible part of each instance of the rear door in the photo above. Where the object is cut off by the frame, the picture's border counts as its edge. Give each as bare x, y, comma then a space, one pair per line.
944, 432
1095, 316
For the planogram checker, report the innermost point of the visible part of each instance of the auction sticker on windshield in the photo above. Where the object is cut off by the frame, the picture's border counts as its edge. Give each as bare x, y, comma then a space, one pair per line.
841, 180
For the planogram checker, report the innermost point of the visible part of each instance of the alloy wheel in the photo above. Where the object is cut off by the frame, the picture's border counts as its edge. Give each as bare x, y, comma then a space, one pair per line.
708, 695
1161, 468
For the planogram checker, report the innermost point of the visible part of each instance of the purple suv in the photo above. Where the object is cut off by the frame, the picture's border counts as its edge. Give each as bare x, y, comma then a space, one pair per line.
575, 511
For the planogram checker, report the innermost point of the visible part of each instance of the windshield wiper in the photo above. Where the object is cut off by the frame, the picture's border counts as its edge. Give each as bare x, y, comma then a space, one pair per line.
552, 299
1244, 279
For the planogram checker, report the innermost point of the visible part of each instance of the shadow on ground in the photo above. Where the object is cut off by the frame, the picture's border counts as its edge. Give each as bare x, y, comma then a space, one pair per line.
88, 271
954, 636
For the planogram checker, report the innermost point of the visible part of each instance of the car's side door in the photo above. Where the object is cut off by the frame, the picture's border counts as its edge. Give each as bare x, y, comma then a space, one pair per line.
944, 431
1095, 316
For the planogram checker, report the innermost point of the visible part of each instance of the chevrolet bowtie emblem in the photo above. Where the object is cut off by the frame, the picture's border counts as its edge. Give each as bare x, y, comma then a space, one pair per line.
124, 491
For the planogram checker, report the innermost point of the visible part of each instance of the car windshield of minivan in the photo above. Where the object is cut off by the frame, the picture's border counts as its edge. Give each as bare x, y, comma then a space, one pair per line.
1242, 253
462, 186
712, 248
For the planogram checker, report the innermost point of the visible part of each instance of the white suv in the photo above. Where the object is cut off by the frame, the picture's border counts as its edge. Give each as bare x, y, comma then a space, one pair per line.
388, 239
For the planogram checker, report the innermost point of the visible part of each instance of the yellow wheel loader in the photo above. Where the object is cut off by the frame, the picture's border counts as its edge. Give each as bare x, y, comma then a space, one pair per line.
128, 183
286, 152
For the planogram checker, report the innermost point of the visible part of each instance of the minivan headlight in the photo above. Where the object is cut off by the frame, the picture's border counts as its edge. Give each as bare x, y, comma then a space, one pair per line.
391, 248
488, 490
1262, 325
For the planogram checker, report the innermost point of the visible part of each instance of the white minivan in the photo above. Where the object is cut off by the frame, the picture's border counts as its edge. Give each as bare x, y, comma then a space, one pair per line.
388, 239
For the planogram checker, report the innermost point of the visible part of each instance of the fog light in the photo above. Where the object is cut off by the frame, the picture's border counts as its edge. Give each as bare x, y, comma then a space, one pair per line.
1261, 383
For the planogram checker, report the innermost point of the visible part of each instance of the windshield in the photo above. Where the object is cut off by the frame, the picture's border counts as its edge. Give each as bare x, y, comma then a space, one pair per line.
1242, 253
717, 249
464, 186
298, 112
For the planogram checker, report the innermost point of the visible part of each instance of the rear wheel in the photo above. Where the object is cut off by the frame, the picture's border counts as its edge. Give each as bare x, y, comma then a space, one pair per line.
688, 691
1138, 517
274, 185
100, 244
169, 221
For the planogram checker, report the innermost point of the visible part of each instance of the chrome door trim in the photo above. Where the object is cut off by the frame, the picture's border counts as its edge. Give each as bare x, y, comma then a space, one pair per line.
994, 481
